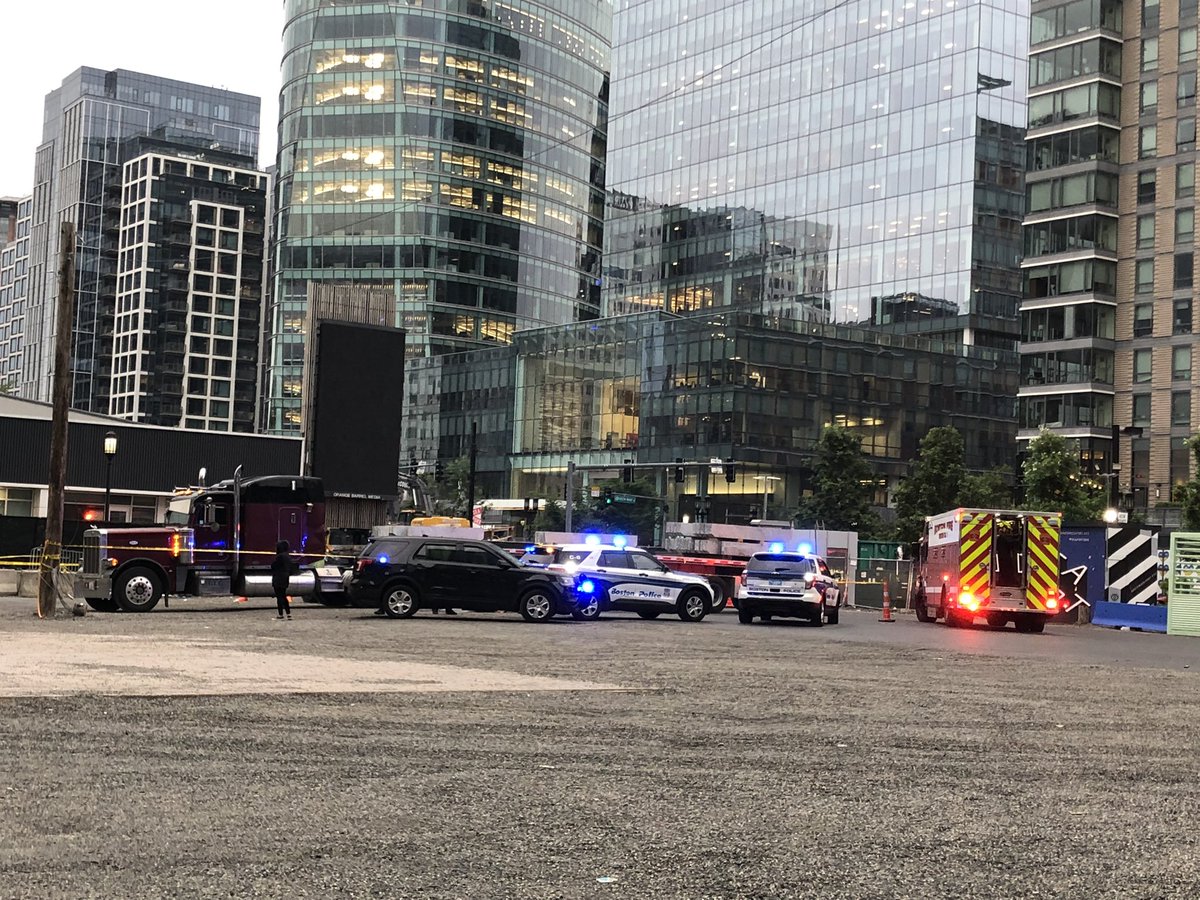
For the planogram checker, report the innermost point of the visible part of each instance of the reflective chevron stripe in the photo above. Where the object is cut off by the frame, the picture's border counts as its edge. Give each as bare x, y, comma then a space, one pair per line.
1041, 544
975, 559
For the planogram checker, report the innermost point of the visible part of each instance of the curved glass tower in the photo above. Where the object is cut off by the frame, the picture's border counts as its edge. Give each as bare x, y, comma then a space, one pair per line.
452, 151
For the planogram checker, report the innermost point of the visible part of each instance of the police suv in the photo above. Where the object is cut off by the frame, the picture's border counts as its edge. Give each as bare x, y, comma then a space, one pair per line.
624, 579
778, 583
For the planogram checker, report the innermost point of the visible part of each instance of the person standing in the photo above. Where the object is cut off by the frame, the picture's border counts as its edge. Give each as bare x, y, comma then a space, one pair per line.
281, 576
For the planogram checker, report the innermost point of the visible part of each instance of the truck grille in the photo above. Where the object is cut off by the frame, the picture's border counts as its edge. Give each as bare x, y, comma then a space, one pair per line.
93, 549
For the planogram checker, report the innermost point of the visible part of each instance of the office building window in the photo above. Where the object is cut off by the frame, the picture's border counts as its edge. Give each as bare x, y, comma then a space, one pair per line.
1181, 462
1187, 44
1185, 180
1143, 320
1146, 189
1149, 54
1185, 133
1141, 410
1183, 271
1145, 231
1144, 276
1181, 363
1148, 142
1181, 407
1185, 89
1141, 366
1181, 321
1148, 101
1185, 225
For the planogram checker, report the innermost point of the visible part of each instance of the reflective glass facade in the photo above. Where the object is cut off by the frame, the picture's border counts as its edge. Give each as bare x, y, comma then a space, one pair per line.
14, 289
654, 387
453, 150
867, 156
78, 174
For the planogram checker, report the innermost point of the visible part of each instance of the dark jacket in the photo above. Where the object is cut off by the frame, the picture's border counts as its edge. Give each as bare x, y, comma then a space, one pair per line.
282, 567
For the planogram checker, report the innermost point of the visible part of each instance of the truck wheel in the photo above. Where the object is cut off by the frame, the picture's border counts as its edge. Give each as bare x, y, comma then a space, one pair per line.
103, 604
137, 590
745, 616
400, 602
922, 612
1031, 624
720, 597
953, 619
326, 598
997, 620
831, 615
692, 607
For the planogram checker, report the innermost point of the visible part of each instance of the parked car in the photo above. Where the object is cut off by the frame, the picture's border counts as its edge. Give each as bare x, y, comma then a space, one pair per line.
405, 575
796, 585
625, 579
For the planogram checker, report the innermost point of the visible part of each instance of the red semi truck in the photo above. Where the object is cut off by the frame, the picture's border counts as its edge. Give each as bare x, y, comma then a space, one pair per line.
225, 548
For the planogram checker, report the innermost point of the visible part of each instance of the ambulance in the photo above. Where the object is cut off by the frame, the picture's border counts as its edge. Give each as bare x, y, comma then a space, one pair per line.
998, 565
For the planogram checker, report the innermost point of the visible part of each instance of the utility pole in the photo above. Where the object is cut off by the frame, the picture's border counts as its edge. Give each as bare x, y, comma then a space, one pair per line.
570, 496
471, 476
50, 566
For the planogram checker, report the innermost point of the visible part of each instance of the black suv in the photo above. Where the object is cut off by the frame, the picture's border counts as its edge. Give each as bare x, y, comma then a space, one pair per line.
401, 575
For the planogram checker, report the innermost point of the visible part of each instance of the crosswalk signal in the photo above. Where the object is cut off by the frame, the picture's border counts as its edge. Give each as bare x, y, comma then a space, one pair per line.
730, 471
627, 472
679, 470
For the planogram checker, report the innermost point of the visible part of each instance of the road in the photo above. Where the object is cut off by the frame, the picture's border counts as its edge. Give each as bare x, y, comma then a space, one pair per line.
345, 755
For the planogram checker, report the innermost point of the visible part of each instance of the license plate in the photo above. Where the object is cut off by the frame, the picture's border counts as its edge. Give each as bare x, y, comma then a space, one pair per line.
774, 582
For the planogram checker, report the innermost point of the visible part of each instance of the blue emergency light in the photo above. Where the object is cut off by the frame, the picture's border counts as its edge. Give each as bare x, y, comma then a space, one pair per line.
587, 586
805, 549
592, 540
620, 540
775, 547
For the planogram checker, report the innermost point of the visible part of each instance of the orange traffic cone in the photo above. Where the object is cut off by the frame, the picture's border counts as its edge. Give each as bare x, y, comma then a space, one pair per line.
887, 603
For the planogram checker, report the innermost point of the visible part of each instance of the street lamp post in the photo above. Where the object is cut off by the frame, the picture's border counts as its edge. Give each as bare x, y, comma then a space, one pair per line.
110, 450
767, 480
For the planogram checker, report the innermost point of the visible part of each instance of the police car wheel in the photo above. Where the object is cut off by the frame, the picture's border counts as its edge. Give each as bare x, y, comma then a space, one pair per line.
400, 602
745, 616
587, 612
536, 606
693, 606
831, 616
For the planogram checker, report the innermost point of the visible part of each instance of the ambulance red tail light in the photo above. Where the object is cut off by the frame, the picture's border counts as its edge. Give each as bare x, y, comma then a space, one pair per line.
1051, 603
968, 601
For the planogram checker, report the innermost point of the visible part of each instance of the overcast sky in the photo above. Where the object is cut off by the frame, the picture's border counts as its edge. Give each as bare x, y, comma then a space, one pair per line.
233, 44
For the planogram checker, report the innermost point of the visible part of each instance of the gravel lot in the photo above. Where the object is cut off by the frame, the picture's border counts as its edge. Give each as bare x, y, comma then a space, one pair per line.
218, 753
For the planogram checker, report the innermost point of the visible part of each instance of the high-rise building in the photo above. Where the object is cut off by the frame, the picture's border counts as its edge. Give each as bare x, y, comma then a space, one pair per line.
185, 337
454, 155
78, 177
1068, 315
1108, 316
14, 291
863, 160
8, 219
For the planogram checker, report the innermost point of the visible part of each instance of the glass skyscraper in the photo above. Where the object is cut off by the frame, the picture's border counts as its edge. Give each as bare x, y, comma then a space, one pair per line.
853, 163
453, 152
78, 177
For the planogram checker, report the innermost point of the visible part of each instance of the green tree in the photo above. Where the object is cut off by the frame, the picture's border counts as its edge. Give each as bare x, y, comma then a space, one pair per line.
551, 516
987, 490
1187, 495
449, 495
844, 485
637, 518
1053, 481
934, 484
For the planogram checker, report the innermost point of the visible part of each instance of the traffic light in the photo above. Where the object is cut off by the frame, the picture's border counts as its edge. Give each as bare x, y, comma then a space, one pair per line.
607, 496
627, 472
439, 471
730, 471
679, 470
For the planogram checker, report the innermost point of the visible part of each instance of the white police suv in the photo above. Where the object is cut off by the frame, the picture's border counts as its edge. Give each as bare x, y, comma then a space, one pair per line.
611, 577
779, 583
